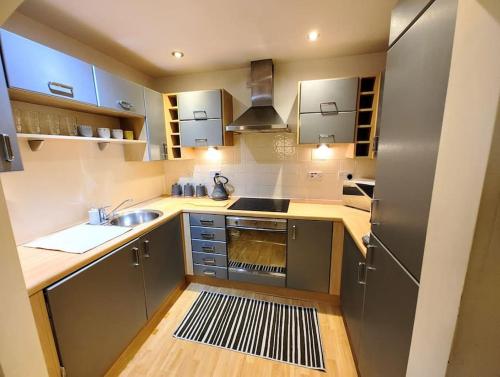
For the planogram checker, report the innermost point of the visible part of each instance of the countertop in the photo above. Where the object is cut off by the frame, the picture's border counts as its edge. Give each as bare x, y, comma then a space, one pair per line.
44, 267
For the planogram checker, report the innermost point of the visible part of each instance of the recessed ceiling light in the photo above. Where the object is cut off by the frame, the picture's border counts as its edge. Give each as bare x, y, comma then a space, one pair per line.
313, 35
177, 54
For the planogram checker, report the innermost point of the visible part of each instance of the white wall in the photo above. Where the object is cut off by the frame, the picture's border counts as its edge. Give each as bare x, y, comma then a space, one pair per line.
469, 120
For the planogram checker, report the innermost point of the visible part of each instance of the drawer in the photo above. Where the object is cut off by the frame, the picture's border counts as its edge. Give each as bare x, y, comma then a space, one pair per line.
319, 128
256, 278
215, 272
326, 96
201, 133
201, 219
199, 105
210, 234
209, 259
209, 246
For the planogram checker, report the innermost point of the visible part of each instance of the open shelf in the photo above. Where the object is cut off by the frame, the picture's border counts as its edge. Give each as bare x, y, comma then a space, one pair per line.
174, 149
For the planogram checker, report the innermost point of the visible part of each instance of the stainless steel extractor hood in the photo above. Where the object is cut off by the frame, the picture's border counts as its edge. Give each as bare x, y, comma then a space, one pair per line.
261, 117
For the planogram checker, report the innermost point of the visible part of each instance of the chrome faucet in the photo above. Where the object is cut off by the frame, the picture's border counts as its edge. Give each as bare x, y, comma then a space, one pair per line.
107, 216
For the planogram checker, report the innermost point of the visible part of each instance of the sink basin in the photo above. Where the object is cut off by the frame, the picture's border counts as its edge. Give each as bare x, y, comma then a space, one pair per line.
133, 218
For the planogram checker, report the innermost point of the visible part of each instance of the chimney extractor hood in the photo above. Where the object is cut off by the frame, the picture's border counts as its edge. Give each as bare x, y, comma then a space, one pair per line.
261, 116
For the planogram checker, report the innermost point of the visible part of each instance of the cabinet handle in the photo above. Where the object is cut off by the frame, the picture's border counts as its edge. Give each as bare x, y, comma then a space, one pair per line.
208, 249
125, 105
61, 89
203, 117
325, 136
206, 222
7, 147
210, 261
361, 267
369, 265
209, 273
294, 232
137, 261
146, 249
372, 206
208, 236
329, 112
201, 141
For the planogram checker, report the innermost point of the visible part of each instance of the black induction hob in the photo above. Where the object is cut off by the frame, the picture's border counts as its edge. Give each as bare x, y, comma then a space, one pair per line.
261, 205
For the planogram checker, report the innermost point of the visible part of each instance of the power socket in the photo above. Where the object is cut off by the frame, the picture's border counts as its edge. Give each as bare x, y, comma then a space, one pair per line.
214, 172
344, 173
315, 175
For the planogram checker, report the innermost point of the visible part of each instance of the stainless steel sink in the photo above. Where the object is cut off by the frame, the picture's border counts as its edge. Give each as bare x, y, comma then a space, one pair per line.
133, 218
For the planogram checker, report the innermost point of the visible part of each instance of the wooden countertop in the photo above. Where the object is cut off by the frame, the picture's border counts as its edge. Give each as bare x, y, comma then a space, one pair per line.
44, 267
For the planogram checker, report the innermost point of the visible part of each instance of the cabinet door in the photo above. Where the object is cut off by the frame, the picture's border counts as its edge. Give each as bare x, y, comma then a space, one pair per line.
308, 255
327, 128
352, 290
163, 263
97, 311
155, 122
318, 96
389, 313
201, 133
202, 104
10, 158
37, 68
403, 14
116, 93
415, 86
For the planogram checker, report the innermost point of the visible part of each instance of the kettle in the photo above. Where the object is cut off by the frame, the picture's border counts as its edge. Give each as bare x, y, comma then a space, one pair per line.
220, 192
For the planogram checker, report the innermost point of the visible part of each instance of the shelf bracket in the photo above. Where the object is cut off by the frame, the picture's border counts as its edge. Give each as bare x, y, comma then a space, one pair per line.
35, 145
102, 145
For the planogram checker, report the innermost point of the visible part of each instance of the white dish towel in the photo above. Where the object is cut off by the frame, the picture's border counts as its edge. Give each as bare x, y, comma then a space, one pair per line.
78, 239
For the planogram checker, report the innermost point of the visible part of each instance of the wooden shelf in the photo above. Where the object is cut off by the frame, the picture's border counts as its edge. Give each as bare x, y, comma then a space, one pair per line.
174, 150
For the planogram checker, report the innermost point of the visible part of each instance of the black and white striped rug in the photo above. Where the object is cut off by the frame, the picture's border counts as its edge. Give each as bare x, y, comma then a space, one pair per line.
274, 331
257, 267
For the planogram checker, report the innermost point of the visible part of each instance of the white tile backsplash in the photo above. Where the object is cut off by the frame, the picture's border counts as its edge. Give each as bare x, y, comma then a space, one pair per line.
271, 165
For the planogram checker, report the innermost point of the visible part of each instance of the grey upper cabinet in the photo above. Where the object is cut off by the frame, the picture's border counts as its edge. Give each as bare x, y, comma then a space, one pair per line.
114, 92
389, 312
403, 14
415, 87
200, 105
327, 111
309, 255
10, 158
163, 263
155, 123
320, 96
352, 290
36, 68
201, 133
97, 311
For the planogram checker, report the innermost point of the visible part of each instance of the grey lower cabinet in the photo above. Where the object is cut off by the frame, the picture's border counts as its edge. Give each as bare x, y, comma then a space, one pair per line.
97, 311
309, 255
114, 92
162, 263
389, 312
155, 123
10, 158
352, 290
37, 68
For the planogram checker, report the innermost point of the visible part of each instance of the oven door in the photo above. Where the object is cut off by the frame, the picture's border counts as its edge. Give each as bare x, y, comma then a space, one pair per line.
257, 250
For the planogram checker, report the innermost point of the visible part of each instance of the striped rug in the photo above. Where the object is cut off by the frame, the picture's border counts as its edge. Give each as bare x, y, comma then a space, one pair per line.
257, 267
274, 331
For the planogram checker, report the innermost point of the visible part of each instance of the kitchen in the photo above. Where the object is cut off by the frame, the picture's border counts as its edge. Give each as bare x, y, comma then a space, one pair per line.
249, 167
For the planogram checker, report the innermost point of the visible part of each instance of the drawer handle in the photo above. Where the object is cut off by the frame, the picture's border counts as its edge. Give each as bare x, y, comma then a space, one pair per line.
137, 261
201, 141
146, 249
208, 249
329, 112
210, 261
206, 222
125, 105
204, 115
209, 273
7, 147
325, 136
361, 269
61, 89
208, 236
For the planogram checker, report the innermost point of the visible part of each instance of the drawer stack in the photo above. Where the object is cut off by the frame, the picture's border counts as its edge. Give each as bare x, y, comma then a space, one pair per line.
208, 244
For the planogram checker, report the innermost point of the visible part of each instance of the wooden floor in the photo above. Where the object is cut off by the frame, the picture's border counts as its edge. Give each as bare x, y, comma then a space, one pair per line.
163, 355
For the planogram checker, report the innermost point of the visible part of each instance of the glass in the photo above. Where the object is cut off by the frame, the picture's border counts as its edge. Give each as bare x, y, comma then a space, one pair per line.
18, 114
31, 121
49, 123
68, 125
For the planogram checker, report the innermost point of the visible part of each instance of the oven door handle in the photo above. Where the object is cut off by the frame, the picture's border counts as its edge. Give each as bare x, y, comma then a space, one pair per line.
260, 229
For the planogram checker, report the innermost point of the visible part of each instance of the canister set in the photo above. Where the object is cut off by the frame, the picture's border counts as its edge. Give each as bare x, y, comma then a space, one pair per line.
189, 190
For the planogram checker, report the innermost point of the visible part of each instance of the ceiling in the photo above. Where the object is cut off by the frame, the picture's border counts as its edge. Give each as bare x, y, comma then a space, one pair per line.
217, 34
